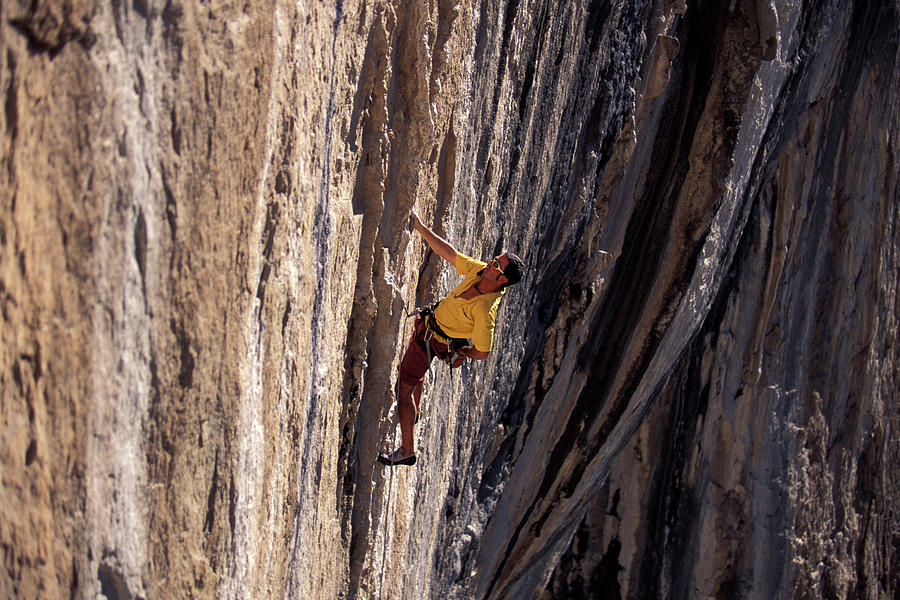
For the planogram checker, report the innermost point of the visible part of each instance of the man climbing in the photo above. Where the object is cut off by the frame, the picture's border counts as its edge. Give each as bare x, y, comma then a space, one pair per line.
468, 312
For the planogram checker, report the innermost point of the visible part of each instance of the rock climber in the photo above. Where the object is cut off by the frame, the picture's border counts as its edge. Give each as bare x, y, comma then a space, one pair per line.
444, 331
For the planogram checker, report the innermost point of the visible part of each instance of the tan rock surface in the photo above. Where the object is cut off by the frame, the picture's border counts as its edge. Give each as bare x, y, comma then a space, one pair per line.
205, 273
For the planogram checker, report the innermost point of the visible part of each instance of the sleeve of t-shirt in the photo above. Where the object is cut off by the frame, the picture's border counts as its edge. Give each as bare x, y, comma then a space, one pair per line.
483, 327
466, 265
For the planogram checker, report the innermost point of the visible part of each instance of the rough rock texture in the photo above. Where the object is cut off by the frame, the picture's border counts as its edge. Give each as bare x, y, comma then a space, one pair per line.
205, 273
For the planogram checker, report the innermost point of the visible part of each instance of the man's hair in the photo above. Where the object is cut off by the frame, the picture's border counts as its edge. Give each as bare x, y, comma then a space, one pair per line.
513, 270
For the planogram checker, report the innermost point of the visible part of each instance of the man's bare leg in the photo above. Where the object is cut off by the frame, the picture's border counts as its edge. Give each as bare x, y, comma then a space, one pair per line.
417, 396
406, 413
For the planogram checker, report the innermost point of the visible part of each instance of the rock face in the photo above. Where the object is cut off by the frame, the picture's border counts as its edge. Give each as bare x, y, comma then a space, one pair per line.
206, 268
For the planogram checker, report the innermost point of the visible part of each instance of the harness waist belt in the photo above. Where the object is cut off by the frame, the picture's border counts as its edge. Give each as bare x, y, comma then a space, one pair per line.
436, 331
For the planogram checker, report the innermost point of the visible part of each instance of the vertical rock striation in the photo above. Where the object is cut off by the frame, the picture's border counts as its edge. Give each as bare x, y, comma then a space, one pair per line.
206, 274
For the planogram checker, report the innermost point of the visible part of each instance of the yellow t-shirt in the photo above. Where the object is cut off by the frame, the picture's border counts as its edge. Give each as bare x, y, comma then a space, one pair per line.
460, 318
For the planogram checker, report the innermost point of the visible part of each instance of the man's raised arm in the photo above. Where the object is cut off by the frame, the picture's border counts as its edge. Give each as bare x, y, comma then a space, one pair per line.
437, 243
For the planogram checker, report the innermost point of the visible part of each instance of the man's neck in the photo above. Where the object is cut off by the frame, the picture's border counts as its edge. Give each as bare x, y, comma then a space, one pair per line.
485, 287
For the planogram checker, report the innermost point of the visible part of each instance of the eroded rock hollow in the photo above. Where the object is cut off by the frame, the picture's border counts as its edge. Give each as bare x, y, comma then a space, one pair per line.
206, 270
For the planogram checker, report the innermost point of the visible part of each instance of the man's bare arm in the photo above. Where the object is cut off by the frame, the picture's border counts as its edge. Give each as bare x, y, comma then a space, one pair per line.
437, 243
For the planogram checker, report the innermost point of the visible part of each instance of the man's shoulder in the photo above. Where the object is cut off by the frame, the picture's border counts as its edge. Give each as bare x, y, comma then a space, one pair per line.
466, 265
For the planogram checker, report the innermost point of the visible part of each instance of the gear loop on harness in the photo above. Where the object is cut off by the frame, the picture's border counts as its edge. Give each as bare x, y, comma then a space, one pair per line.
432, 329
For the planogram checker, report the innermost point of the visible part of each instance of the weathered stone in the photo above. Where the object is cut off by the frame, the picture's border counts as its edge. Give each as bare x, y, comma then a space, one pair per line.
206, 271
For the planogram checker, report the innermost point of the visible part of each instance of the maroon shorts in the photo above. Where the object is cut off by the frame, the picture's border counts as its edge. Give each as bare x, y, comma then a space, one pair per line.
416, 360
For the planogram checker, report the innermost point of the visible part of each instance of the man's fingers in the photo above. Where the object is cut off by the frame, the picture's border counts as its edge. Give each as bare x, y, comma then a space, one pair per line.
460, 359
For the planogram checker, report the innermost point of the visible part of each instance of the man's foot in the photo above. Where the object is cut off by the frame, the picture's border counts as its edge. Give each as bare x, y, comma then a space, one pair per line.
397, 457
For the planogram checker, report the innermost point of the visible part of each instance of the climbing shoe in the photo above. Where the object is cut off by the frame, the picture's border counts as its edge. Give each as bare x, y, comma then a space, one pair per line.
396, 458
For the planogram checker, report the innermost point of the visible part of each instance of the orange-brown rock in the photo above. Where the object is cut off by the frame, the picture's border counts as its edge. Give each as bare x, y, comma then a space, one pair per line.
206, 271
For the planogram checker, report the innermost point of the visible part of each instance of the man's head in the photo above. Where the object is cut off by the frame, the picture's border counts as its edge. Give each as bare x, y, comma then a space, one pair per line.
506, 269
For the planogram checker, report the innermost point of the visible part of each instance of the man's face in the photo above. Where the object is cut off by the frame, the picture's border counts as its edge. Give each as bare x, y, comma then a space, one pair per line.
495, 268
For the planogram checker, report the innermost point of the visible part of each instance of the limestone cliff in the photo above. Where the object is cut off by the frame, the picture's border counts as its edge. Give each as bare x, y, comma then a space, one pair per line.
206, 271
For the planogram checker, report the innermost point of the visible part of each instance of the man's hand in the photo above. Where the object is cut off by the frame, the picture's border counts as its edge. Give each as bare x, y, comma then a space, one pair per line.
460, 359
414, 221
472, 352
437, 243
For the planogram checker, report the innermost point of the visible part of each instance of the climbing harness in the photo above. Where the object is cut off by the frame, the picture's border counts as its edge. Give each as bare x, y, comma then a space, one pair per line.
434, 331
